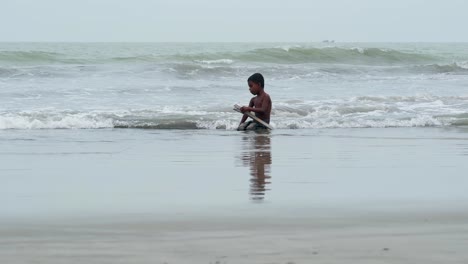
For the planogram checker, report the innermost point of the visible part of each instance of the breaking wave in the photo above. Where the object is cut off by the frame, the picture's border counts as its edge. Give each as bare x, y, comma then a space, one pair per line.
356, 112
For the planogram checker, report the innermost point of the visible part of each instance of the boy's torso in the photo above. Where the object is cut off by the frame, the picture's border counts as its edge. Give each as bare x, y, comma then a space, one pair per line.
258, 102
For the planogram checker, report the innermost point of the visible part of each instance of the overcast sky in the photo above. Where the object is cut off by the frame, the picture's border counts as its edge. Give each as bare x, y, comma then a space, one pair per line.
235, 20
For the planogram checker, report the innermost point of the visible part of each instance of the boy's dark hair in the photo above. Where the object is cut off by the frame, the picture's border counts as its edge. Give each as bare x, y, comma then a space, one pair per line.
257, 78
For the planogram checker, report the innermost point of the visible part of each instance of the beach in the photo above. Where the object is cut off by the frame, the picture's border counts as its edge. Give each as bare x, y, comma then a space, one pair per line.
128, 153
425, 238
285, 196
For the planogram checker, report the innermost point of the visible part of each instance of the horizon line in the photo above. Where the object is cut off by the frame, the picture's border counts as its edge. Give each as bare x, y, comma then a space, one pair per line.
240, 42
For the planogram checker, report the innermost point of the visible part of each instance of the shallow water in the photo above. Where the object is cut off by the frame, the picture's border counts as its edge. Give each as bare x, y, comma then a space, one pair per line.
96, 173
375, 195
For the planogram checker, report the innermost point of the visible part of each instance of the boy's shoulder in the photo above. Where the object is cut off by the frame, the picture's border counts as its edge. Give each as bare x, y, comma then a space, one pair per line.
262, 96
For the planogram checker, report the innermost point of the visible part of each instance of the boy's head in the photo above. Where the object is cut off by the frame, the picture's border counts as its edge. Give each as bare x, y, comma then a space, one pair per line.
256, 83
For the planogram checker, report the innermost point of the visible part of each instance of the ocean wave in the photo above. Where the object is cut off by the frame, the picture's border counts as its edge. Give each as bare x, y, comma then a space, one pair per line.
364, 56
190, 70
53, 120
219, 61
409, 99
453, 68
37, 57
353, 112
137, 58
291, 72
81, 122
8, 72
281, 55
43, 71
419, 121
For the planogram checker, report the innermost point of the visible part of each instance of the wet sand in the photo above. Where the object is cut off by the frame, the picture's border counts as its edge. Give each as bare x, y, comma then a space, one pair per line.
291, 196
382, 238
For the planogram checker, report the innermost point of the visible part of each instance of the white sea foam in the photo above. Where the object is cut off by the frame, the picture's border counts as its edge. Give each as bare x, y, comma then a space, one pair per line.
54, 122
364, 111
289, 47
462, 64
219, 61
310, 123
358, 49
228, 123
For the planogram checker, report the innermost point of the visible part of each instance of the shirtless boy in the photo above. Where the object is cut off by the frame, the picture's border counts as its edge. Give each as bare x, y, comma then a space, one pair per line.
260, 104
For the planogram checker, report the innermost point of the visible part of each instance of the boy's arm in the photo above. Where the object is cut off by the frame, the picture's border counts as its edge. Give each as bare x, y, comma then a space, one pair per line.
244, 117
262, 110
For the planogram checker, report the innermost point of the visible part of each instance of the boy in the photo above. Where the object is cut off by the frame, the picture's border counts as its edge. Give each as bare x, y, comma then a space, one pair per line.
260, 104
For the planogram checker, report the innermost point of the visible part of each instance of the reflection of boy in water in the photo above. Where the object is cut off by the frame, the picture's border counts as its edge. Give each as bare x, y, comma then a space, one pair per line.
260, 168
260, 104
258, 158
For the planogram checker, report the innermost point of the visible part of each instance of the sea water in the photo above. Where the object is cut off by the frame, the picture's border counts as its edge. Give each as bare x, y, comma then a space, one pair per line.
147, 127
195, 85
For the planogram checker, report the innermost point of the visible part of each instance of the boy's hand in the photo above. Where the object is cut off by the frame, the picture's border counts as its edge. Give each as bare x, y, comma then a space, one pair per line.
243, 109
